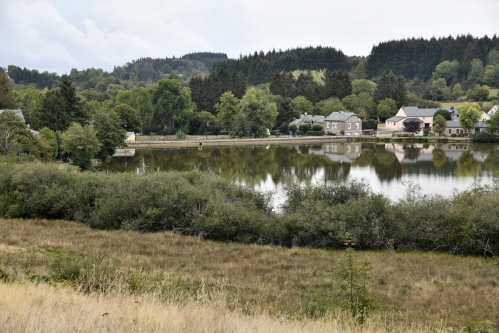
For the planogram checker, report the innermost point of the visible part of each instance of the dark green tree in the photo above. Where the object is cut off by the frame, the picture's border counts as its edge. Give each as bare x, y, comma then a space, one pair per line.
171, 102
129, 117
336, 84
72, 103
393, 87
6, 99
53, 112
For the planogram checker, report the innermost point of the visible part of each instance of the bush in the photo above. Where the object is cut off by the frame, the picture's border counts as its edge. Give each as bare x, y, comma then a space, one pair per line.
293, 128
304, 128
317, 128
369, 124
484, 137
180, 135
209, 206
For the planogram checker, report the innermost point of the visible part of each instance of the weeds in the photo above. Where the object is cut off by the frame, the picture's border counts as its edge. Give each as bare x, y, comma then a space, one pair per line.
355, 279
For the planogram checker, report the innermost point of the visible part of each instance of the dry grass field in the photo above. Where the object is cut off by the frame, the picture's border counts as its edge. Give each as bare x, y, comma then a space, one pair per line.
62, 276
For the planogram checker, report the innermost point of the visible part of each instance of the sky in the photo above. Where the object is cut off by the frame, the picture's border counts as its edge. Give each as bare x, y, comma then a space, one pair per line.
58, 35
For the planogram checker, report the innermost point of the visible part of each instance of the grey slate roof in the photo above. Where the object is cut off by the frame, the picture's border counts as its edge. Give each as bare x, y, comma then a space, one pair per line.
414, 111
395, 119
457, 124
453, 124
308, 119
128, 134
19, 113
340, 116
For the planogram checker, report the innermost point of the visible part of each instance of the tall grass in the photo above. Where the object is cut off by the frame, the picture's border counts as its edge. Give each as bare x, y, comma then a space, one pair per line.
299, 286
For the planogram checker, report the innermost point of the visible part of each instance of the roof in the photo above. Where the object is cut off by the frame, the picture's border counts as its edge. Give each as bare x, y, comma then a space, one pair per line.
457, 124
493, 110
395, 119
18, 113
409, 120
340, 116
308, 119
129, 134
453, 124
414, 111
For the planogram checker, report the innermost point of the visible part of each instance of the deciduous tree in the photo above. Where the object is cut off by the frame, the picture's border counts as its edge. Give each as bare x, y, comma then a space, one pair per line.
386, 109
81, 143
469, 114
439, 124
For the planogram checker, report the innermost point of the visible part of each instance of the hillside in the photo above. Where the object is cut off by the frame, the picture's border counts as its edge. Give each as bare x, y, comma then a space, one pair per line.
147, 70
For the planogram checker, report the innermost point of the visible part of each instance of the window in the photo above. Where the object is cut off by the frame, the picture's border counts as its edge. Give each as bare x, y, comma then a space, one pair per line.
349, 126
450, 131
327, 125
357, 125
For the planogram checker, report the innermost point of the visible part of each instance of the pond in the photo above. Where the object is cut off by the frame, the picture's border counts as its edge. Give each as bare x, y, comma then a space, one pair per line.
388, 167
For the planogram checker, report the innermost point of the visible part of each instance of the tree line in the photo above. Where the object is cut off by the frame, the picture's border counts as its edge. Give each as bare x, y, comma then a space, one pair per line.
260, 67
142, 71
418, 57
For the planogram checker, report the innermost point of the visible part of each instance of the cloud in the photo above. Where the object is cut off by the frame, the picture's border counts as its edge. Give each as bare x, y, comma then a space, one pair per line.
58, 35
39, 37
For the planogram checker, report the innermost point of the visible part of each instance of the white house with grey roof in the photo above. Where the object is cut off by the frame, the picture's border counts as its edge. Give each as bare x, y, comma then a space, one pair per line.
396, 123
343, 123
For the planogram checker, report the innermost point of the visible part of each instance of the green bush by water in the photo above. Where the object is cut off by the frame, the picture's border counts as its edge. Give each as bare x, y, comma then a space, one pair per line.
205, 205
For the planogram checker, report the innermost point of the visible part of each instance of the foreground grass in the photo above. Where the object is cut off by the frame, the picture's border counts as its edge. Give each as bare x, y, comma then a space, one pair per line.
180, 280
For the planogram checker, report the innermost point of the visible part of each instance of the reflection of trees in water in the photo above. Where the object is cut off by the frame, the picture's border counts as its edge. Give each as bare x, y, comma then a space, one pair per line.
438, 157
250, 165
467, 166
253, 165
411, 153
386, 164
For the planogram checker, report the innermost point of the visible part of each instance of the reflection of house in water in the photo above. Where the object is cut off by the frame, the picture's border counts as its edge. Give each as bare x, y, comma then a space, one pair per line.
338, 152
412, 153
124, 153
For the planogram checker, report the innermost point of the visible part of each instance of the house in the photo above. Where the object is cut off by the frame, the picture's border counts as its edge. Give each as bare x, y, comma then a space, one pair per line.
130, 137
454, 127
343, 123
18, 113
396, 123
308, 119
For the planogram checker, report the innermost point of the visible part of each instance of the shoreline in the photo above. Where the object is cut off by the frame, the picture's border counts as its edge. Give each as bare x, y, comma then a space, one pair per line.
287, 140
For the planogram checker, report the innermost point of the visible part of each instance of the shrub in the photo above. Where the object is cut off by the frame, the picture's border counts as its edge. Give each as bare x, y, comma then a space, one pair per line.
317, 128
180, 135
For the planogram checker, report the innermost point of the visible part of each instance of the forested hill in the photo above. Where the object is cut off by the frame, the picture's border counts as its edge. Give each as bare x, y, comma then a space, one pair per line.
260, 67
418, 57
147, 70
207, 58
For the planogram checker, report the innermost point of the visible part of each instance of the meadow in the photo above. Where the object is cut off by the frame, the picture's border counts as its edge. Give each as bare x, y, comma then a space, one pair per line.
62, 276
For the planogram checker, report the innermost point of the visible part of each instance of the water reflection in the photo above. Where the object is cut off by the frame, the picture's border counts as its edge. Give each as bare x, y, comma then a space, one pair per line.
441, 167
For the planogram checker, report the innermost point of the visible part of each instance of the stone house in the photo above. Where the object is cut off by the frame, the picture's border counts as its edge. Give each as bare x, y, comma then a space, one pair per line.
343, 123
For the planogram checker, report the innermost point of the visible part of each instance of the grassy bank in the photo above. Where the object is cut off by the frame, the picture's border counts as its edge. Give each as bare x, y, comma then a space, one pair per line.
224, 283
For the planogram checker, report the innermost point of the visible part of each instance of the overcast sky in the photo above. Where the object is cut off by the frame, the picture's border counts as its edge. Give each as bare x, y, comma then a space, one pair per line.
57, 35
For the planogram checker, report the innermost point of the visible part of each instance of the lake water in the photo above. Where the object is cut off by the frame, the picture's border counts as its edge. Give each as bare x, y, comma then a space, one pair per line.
436, 168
